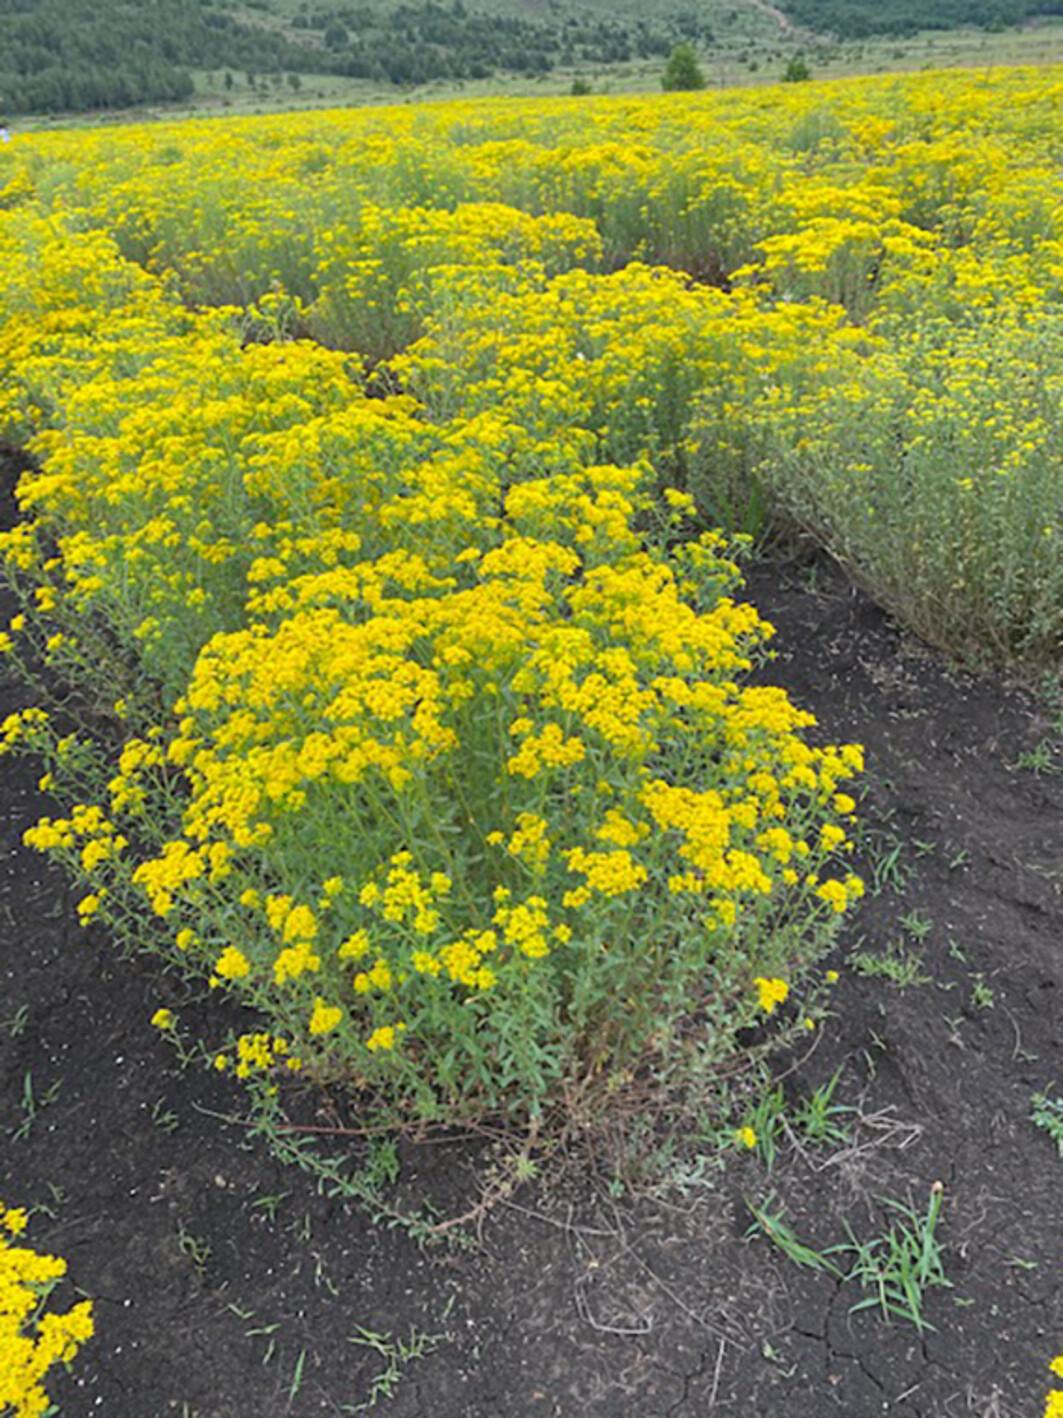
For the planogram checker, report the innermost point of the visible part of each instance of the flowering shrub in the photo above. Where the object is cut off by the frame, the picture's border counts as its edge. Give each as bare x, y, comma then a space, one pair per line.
433, 734
446, 809
32, 1340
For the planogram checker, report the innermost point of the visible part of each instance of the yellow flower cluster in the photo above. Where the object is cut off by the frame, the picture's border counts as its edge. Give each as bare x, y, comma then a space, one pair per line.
1054, 1399
257, 1054
31, 1342
349, 443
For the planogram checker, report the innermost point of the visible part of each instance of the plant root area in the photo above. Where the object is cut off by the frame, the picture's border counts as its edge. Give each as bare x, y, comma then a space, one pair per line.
227, 1284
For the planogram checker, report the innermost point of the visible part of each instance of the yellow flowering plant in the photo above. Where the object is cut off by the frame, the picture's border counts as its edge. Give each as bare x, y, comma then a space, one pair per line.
33, 1339
370, 461
438, 819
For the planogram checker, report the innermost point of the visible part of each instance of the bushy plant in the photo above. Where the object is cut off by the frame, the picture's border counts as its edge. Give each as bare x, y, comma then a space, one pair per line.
429, 722
682, 72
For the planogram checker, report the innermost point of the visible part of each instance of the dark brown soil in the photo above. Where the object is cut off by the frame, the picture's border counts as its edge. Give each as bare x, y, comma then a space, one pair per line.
573, 1300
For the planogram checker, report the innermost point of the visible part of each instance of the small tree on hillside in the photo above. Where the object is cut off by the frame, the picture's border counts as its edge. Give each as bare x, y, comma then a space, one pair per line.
683, 70
797, 70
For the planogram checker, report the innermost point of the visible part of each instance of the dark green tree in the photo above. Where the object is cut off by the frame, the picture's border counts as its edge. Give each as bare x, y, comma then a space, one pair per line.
682, 70
797, 70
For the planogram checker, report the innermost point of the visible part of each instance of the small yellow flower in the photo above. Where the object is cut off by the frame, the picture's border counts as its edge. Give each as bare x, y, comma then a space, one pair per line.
771, 992
232, 964
383, 1038
355, 946
87, 908
163, 1019
325, 1016
14, 1221
747, 1137
834, 894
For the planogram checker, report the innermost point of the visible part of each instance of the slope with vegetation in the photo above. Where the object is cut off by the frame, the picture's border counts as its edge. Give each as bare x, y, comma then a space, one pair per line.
63, 56
75, 55
857, 19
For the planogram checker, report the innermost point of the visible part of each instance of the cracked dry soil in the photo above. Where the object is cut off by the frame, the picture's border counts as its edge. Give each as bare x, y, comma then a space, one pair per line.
571, 1302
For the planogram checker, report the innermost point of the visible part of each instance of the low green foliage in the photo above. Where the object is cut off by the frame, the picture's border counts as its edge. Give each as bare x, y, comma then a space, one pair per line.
32, 1103
818, 1116
897, 1267
982, 995
1047, 1114
397, 1355
899, 963
797, 71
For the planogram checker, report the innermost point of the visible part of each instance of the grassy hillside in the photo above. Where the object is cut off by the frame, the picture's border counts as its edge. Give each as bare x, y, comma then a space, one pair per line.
61, 55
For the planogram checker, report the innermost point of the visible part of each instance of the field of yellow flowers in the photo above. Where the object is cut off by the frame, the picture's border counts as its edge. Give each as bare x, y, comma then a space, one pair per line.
389, 477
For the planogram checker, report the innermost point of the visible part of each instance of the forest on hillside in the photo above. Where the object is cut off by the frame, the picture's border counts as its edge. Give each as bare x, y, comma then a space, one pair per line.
80, 55
76, 55
861, 19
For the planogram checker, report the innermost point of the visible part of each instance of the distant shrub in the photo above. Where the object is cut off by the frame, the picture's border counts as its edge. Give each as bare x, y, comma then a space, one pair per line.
682, 70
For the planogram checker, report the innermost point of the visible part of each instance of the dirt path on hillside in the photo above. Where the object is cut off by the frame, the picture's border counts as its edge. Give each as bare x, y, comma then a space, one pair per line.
786, 25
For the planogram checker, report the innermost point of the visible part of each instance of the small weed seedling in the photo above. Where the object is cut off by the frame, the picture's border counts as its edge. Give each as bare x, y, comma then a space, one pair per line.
266, 1332
917, 924
297, 1377
767, 1121
899, 964
900, 1265
1021, 1263
31, 1106
958, 856
982, 996
48, 1209
818, 1115
782, 1235
1042, 758
889, 872
164, 1117
194, 1249
396, 1353
1048, 1114
897, 1267
16, 1025
268, 1204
